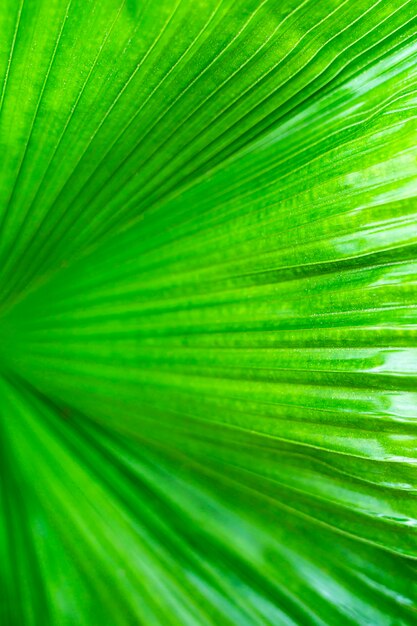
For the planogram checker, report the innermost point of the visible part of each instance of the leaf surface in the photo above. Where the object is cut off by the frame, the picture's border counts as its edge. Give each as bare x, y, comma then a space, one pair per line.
208, 312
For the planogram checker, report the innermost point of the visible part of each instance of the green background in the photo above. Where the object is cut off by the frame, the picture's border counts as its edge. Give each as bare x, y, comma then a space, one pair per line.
208, 349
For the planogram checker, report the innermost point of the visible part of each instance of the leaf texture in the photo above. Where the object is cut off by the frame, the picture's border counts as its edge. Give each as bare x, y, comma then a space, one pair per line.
208, 348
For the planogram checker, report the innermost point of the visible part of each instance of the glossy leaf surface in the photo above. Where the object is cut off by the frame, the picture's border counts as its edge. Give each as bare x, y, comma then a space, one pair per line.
208, 349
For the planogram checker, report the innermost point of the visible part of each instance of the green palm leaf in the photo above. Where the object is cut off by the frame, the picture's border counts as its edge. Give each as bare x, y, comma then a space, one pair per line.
208, 312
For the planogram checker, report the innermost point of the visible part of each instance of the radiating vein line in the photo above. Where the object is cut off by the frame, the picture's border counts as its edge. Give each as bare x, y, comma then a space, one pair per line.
9, 64
5, 216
